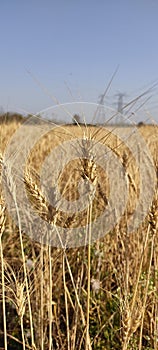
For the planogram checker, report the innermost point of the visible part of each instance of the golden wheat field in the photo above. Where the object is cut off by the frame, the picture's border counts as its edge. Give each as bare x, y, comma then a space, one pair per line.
100, 295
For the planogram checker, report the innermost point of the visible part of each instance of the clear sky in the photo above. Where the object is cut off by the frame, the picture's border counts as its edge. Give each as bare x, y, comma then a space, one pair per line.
76, 44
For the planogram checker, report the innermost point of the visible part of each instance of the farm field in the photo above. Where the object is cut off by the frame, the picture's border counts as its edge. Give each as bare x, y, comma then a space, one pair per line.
100, 295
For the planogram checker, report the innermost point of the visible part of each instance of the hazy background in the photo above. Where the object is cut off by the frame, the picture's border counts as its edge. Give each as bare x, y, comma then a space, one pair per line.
77, 45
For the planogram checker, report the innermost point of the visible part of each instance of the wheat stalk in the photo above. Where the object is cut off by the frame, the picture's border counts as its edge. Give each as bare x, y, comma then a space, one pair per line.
2, 228
11, 187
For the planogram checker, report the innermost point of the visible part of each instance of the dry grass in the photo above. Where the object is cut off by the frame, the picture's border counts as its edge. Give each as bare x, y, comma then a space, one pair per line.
103, 296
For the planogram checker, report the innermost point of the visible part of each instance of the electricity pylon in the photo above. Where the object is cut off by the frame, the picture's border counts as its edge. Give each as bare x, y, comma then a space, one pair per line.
101, 109
119, 118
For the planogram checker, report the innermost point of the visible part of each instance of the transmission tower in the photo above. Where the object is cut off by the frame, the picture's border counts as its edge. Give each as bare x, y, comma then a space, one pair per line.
119, 118
101, 110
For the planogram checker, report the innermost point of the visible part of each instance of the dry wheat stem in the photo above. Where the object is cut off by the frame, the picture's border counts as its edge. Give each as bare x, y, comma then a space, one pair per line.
2, 227
26, 277
66, 306
89, 216
50, 297
42, 299
130, 316
146, 292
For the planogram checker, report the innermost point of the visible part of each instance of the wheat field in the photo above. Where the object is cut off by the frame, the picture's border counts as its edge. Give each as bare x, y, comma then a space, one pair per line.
102, 295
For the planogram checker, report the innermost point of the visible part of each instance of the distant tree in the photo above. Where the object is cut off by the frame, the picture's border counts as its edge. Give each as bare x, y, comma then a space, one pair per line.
141, 124
9, 117
1, 110
76, 119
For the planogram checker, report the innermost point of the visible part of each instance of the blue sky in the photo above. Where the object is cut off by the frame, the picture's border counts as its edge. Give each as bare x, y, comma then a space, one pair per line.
77, 44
